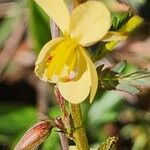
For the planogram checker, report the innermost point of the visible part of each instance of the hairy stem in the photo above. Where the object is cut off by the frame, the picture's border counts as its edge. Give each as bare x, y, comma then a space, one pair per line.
79, 133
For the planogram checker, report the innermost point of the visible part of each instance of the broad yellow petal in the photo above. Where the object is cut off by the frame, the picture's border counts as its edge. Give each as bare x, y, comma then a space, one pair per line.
56, 60
94, 77
114, 36
57, 11
90, 21
77, 90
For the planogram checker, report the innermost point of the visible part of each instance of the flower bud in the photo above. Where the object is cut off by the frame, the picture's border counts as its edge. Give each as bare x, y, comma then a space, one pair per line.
35, 136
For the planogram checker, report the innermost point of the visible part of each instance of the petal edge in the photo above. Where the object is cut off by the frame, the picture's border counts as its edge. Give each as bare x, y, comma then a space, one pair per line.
57, 11
90, 21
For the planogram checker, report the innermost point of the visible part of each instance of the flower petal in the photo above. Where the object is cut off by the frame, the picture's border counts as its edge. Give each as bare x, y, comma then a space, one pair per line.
77, 91
90, 21
94, 77
46, 48
56, 60
94, 81
57, 11
40, 62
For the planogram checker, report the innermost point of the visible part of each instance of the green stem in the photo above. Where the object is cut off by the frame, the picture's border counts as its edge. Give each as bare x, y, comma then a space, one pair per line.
79, 133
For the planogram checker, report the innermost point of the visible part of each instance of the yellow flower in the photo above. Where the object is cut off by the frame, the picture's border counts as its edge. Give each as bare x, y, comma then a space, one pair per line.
64, 60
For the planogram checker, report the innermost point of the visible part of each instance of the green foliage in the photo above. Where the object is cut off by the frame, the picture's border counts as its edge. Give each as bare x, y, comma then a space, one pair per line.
15, 120
139, 133
38, 26
138, 78
115, 78
107, 78
118, 68
106, 108
53, 142
109, 105
119, 19
19, 117
134, 81
128, 88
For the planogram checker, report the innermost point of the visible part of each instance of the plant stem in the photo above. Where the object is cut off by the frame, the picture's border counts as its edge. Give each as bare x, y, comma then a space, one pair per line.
79, 133
64, 141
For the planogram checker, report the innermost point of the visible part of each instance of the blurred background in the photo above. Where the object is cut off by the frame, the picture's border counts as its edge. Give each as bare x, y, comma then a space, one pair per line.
24, 29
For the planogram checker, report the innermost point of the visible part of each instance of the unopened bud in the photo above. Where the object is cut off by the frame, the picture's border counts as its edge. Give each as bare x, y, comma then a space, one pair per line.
35, 136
